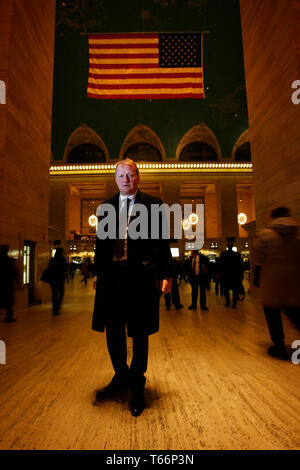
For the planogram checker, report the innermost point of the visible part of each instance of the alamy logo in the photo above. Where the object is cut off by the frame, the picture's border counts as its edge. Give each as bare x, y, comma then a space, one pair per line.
296, 354
2, 92
186, 223
2, 352
296, 95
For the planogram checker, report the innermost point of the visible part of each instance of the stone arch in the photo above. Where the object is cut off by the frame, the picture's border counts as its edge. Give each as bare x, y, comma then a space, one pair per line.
242, 140
142, 134
199, 133
84, 135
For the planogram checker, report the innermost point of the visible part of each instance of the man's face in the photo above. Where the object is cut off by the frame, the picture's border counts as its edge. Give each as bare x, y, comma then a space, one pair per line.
127, 180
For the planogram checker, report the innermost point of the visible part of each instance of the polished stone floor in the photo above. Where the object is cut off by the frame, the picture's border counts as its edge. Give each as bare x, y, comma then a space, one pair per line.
210, 383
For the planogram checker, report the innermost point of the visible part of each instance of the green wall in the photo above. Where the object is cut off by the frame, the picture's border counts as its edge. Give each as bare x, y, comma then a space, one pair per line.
170, 119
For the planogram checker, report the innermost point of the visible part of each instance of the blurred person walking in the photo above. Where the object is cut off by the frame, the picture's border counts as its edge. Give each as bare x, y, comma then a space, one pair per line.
231, 272
9, 279
173, 297
199, 268
58, 268
276, 252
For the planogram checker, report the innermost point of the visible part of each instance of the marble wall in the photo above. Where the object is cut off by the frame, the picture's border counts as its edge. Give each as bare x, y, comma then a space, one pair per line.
271, 41
26, 67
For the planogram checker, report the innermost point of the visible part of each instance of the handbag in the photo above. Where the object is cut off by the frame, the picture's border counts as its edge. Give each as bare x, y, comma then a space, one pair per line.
46, 275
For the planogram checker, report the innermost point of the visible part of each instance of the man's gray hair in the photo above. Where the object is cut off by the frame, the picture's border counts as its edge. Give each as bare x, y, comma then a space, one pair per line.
127, 162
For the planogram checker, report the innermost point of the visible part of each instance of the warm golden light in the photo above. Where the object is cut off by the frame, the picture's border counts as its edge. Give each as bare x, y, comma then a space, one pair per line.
193, 219
154, 168
186, 224
242, 218
93, 221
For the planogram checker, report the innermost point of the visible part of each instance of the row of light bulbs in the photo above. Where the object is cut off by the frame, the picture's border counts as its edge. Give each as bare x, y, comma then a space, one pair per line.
153, 166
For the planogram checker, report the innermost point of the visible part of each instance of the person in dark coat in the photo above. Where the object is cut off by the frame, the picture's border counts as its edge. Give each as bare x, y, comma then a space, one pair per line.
131, 274
9, 278
231, 272
276, 254
173, 297
199, 268
217, 276
58, 268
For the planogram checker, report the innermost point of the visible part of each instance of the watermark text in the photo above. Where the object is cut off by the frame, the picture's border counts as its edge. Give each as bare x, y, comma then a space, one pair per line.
2, 352
295, 358
160, 222
296, 94
2, 92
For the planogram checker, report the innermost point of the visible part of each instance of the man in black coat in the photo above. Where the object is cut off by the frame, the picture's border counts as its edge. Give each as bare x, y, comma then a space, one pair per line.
130, 275
231, 272
199, 267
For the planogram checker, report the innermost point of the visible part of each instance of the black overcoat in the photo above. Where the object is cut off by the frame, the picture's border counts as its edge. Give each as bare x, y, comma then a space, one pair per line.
231, 269
150, 261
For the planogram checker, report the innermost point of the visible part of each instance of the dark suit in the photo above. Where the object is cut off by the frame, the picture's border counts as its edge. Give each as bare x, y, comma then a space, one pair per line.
199, 280
231, 274
128, 294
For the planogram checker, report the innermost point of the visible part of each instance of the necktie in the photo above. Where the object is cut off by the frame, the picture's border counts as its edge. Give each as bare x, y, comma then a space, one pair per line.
123, 222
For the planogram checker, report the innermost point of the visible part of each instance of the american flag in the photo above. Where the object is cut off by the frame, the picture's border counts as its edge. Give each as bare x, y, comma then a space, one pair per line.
145, 66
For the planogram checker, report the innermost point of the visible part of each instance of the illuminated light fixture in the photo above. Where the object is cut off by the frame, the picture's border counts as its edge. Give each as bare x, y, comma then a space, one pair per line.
93, 221
193, 218
242, 218
154, 166
186, 225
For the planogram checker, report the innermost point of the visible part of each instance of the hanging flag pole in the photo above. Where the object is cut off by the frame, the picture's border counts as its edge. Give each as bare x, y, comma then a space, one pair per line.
147, 32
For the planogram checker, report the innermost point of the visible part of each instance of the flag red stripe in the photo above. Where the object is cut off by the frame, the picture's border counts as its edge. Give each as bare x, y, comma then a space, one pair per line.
148, 96
123, 35
137, 75
124, 66
142, 86
124, 46
125, 56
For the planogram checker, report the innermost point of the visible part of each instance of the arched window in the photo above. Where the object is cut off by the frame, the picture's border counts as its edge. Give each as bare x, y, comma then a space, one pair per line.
143, 152
198, 151
86, 153
243, 153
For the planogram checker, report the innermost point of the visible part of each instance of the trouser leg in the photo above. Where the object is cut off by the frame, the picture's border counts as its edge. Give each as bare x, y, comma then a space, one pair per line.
226, 295
203, 294
217, 286
167, 298
274, 322
194, 292
54, 289
60, 295
175, 294
139, 361
235, 295
117, 347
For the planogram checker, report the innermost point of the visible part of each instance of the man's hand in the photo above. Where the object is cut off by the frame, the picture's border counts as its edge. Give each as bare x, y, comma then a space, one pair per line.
166, 285
94, 282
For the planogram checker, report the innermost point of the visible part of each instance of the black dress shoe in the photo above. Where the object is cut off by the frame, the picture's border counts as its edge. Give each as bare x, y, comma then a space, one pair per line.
192, 307
279, 352
204, 308
9, 320
137, 402
115, 386
179, 307
233, 306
